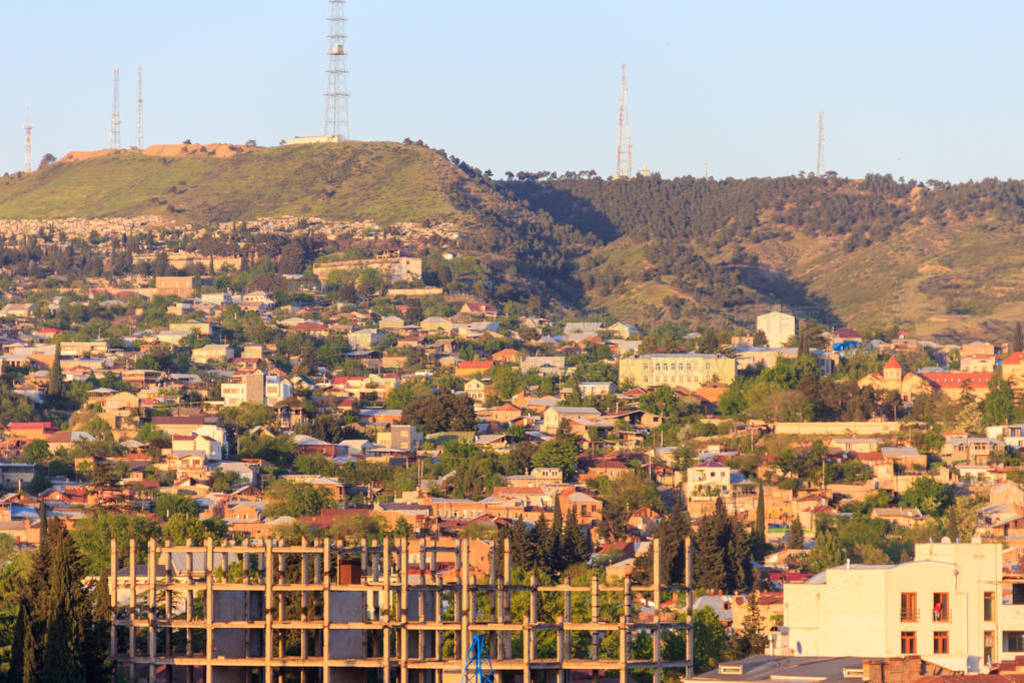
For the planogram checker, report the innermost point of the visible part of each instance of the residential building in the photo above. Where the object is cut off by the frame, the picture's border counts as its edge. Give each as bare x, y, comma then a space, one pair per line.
952, 605
685, 370
778, 327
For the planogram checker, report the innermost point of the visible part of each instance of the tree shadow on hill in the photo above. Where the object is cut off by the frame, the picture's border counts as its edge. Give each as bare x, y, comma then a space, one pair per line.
565, 207
778, 287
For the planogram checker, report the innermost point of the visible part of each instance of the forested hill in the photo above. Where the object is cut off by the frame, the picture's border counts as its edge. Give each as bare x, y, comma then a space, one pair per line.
929, 257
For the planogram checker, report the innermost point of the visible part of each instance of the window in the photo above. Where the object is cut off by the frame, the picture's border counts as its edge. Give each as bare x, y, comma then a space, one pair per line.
1017, 595
940, 642
908, 642
1013, 641
940, 607
989, 601
990, 646
908, 607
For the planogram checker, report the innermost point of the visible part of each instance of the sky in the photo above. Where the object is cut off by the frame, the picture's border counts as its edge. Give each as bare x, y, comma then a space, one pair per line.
917, 89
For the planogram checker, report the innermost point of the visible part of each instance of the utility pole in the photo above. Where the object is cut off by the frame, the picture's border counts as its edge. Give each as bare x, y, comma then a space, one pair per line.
336, 114
28, 140
624, 153
115, 116
821, 143
138, 120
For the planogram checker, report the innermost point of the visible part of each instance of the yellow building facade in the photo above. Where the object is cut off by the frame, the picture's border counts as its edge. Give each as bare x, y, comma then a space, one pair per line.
684, 370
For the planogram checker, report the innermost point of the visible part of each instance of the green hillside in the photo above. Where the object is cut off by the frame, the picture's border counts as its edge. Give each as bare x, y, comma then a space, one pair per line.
930, 258
378, 181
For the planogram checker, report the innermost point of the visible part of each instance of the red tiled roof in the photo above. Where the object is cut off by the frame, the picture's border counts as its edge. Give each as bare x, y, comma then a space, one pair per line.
893, 363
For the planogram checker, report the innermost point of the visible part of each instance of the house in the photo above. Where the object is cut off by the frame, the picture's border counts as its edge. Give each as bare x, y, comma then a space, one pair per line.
545, 365
212, 353
904, 517
363, 339
468, 368
477, 389
894, 379
588, 389
555, 415
478, 309
623, 330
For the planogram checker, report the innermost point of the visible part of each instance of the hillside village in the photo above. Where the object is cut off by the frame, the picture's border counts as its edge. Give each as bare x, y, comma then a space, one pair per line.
181, 390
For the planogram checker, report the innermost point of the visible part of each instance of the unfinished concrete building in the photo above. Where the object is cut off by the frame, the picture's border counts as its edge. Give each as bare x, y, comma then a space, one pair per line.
324, 612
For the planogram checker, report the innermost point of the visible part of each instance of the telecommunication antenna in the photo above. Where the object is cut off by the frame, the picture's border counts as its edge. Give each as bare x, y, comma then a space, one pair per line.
115, 117
336, 115
821, 143
28, 140
138, 120
624, 154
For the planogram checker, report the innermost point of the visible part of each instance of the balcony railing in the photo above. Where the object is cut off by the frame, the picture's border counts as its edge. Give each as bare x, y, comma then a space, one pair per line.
910, 614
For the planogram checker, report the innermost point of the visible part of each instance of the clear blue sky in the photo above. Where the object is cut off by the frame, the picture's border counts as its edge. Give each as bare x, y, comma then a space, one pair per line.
918, 89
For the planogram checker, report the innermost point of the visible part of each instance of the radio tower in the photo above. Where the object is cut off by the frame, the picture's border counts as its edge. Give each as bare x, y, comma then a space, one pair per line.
821, 143
336, 115
115, 117
138, 120
624, 155
28, 141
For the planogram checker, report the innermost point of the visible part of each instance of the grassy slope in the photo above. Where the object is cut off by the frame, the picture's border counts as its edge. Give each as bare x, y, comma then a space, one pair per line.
384, 182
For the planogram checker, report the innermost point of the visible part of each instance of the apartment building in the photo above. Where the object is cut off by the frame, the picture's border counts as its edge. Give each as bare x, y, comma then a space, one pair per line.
685, 370
953, 605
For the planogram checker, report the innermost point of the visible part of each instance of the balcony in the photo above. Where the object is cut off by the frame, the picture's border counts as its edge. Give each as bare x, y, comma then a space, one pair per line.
910, 614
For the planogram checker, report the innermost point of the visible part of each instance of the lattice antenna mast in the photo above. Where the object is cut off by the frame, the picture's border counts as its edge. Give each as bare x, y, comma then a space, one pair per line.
138, 120
336, 114
28, 140
624, 155
821, 143
115, 117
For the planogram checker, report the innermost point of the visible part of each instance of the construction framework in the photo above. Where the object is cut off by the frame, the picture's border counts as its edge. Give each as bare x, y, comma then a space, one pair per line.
256, 612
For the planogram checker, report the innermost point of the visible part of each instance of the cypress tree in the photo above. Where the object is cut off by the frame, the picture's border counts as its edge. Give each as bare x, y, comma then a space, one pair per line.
64, 618
710, 572
1018, 337
521, 546
796, 535
759, 538
15, 673
542, 540
555, 541
575, 544
56, 379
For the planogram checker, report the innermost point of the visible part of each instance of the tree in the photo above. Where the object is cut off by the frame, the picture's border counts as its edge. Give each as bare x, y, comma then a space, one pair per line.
749, 640
36, 451
560, 453
759, 537
575, 544
1018, 337
296, 500
62, 628
55, 385
826, 551
709, 638
167, 504
929, 496
724, 552
796, 535
444, 412
999, 408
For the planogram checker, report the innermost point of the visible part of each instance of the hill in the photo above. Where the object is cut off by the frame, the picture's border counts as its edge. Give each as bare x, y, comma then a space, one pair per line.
386, 183
932, 258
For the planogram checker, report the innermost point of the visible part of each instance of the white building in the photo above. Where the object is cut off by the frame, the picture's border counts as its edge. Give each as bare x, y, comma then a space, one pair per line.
777, 326
953, 605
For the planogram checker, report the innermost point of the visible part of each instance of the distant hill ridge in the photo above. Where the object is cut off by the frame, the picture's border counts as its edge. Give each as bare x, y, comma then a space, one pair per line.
931, 258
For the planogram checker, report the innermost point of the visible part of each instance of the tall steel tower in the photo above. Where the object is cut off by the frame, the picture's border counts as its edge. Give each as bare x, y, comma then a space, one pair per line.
624, 154
138, 120
115, 117
821, 143
28, 141
336, 115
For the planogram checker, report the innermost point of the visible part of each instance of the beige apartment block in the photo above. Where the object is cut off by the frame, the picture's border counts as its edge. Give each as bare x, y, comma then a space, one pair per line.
954, 605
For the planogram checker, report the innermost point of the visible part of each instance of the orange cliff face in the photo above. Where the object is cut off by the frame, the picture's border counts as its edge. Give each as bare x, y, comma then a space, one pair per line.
215, 149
